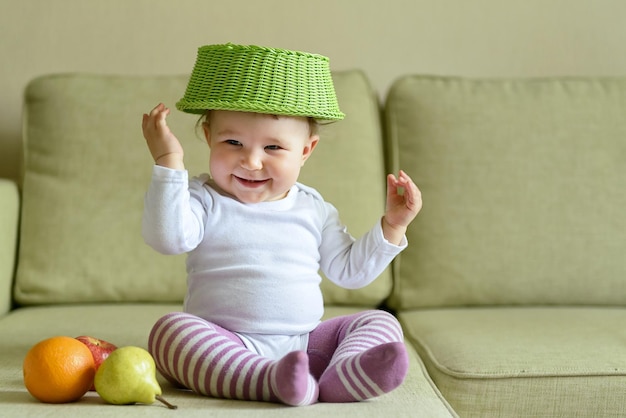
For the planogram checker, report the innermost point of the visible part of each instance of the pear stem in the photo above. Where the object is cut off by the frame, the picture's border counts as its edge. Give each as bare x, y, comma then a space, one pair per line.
164, 402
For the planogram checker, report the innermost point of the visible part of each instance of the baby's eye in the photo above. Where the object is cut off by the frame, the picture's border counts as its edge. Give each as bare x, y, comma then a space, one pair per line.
273, 147
233, 142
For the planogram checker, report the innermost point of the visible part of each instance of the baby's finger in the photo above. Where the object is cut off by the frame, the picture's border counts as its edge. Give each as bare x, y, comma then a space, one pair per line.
404, 177
414, 196
144, 121
156, 110
409, 185
406, 181
394, 186
162, 115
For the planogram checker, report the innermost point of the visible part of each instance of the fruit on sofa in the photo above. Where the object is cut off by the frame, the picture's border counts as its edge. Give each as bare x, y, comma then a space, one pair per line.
100, 350
128, 376
58, 369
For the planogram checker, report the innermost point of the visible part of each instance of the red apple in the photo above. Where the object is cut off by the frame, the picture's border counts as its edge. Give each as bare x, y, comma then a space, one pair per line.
100, 349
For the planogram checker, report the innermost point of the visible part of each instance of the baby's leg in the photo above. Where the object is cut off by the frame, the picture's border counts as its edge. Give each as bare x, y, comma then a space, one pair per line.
213, 361
370, 358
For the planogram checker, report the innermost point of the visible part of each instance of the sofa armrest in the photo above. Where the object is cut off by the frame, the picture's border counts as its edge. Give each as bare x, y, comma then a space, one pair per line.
9, 220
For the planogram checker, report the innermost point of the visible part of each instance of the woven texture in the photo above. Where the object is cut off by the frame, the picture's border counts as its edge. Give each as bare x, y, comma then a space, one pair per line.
263, 80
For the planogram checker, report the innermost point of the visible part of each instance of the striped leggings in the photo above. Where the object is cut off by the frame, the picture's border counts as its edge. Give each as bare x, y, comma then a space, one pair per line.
349, 358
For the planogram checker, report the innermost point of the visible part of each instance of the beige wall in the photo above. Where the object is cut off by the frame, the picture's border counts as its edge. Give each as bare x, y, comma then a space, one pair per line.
386, 38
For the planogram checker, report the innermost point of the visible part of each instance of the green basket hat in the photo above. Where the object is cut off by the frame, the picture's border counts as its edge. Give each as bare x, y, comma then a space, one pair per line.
257, 79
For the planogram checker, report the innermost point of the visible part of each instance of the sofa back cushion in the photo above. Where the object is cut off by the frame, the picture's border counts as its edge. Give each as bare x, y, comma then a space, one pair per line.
87, 167
9, 216
523, 184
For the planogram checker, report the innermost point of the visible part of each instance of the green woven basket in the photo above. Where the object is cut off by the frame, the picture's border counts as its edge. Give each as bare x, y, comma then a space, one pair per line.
262, 80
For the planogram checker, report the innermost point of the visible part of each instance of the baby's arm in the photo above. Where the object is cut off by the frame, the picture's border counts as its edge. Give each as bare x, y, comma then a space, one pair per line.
164, 146
402, 208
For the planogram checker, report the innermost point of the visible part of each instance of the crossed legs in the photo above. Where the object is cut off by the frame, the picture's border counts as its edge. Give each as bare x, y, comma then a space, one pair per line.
349, 358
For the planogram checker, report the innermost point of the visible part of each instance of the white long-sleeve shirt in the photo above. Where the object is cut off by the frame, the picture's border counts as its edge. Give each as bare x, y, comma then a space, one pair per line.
253, 268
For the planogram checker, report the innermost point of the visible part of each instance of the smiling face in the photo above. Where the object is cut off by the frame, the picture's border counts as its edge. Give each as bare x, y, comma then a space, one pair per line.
257, 157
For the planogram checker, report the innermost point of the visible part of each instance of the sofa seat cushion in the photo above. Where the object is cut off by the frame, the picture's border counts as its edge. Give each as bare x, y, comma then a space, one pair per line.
535, 361
87, 168
130, 324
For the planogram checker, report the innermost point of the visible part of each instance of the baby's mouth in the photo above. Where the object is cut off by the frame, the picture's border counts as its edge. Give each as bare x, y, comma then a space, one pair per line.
251, 182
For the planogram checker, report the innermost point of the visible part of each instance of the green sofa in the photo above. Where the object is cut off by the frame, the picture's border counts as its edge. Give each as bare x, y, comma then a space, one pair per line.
511, 292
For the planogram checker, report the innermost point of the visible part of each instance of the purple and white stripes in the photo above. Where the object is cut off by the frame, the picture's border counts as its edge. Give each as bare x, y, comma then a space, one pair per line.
369, 360
207, 360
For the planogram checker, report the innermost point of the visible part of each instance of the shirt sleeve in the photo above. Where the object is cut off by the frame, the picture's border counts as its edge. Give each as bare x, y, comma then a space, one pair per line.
173, 216
354, 263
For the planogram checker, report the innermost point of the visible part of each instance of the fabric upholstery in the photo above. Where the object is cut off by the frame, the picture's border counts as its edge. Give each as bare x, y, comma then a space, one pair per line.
523, 187
129, 324
87, 169
511, 290
524, 361
9, 216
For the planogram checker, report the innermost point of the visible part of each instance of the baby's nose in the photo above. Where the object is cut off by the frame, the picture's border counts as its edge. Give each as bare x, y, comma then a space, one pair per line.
252, 161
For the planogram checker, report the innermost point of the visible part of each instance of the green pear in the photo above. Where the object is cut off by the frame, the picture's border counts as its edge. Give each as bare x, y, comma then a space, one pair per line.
128, 376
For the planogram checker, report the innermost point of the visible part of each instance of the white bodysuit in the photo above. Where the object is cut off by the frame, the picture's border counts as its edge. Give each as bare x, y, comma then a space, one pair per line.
253, 268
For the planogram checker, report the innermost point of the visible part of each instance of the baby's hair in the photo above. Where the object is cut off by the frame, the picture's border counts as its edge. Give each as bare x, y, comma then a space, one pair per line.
314, 124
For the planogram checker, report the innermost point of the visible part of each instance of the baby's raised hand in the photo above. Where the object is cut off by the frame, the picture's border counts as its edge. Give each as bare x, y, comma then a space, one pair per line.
402, 207
163, 145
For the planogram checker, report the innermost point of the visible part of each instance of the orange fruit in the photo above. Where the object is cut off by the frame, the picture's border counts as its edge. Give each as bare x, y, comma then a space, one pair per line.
58, 370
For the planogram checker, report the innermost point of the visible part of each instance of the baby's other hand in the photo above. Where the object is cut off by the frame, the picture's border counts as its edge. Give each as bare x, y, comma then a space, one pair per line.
402, 207
165, 148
